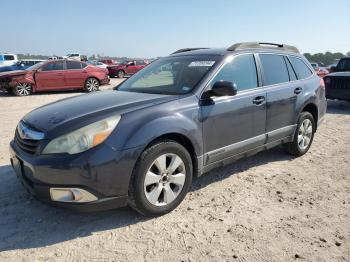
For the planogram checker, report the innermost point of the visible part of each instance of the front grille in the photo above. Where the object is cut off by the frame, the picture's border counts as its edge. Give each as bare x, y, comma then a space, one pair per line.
28, 145
338, 83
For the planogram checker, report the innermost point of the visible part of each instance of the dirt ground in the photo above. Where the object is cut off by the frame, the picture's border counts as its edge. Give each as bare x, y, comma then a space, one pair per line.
269, 207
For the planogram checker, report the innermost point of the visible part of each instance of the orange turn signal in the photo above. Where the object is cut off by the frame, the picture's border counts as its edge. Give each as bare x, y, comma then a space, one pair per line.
100, 137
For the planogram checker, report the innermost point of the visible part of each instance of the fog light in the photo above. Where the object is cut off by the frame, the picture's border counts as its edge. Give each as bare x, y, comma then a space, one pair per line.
71, 195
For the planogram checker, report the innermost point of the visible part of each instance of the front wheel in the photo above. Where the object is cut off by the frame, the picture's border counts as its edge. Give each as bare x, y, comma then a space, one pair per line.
303, 136
22, 89
161, 178
92, 85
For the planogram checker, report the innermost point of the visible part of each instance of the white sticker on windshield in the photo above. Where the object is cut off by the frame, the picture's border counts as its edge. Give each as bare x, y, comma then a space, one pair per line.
201, 63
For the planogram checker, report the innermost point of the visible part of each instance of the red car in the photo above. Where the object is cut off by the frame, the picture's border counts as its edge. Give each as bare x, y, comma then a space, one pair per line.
128, 68
108, 61
54, 75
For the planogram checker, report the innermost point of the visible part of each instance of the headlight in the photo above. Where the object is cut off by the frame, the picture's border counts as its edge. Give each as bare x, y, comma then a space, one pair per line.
84, 138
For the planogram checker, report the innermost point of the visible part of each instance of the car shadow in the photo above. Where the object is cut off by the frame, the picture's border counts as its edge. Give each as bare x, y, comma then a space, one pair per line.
338, 107
27, 223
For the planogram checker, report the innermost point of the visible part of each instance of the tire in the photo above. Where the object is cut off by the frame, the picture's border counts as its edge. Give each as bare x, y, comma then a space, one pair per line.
155, 193
302, 139
120, 74
22, 89
92, 85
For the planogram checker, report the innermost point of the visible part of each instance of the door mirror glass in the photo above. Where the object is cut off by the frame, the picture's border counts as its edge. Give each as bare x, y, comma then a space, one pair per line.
224, 88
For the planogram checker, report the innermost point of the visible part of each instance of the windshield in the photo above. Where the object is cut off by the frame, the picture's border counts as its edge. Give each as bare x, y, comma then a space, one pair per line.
170, 76
36, 66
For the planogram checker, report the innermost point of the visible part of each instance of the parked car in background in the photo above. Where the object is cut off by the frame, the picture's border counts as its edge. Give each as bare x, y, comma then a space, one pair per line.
127, 68
54, 75
338, 82
178, 118
320, 71
97, 63
108, 61
20, 65
77, 56
8, 60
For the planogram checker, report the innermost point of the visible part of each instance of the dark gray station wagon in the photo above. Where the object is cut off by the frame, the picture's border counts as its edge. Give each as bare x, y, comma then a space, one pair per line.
142, 143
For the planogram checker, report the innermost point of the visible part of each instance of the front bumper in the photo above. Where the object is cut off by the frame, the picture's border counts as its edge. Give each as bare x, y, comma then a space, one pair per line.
101, 171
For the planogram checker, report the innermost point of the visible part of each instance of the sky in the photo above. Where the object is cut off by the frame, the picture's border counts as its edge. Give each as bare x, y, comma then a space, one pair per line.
146, 28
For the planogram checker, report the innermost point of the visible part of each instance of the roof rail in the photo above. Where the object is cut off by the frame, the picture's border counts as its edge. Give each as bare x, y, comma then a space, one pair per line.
188, 49
253, 45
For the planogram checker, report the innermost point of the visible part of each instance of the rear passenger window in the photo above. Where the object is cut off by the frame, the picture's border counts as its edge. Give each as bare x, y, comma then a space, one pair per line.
292, 75
274, 69
73, 65
241, 71
301, 69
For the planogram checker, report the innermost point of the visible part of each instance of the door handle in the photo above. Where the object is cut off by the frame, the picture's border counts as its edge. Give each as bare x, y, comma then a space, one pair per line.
258, 100
298, 90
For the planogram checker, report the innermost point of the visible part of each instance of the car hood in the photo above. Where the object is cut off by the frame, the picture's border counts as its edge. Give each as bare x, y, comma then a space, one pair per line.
13, 73
85, 109
341, 74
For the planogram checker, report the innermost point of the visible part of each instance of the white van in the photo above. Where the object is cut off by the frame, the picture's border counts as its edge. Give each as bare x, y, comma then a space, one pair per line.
8, 59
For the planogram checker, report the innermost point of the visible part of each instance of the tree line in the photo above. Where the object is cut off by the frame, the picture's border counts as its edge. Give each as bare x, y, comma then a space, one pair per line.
325, 59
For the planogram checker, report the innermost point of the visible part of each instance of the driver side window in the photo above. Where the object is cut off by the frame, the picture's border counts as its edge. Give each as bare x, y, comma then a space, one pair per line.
241, 71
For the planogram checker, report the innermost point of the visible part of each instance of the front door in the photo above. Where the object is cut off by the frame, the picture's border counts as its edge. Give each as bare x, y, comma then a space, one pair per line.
233, 125
50, 76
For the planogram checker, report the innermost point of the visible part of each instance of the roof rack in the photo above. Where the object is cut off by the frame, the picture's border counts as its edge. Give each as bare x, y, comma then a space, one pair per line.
253, 45
188, 49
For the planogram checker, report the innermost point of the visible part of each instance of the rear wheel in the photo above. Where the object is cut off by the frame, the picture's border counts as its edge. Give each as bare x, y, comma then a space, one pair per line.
92, 85
120, 74
303, 136
22, 89
161, 178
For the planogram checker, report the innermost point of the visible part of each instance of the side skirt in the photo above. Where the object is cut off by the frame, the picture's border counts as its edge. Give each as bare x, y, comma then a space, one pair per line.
205, 169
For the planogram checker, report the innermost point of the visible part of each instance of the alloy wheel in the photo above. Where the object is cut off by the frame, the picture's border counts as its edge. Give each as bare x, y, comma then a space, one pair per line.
92, 85
23, 89
305, 134
164, 179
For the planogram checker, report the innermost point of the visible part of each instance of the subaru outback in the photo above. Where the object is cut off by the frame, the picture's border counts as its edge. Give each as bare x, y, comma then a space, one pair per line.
183, 115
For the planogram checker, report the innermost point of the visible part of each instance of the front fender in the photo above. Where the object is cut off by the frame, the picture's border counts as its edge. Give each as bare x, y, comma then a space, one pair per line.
174, 124
28, 78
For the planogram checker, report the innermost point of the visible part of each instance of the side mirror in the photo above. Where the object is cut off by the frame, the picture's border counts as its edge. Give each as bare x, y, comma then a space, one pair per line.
223, 88
332, 69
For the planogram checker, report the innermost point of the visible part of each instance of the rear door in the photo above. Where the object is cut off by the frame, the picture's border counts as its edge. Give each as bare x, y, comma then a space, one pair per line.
235, 124
50, 76
283, 90
74, 74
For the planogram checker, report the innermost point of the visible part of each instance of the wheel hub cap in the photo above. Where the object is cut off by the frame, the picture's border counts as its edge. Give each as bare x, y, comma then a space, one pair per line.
305, 134
164, 179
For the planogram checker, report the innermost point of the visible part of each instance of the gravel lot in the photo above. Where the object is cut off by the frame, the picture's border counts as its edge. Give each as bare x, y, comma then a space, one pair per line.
269, 207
